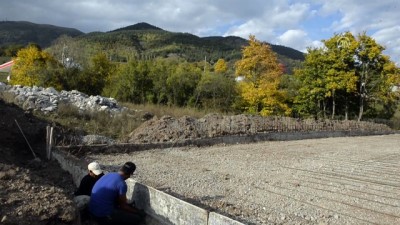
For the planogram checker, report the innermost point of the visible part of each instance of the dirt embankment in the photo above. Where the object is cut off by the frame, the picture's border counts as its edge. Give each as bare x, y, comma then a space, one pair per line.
169, 129
31, 192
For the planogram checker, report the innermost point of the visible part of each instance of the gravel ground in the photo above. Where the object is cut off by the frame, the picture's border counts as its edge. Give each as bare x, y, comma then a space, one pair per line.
324, 181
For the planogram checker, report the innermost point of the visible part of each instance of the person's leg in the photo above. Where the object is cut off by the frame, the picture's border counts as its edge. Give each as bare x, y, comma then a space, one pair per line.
121, 217
101, 220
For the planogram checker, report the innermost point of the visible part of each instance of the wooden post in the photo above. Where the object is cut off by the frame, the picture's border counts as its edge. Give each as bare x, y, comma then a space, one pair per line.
50, 143
47, 141
30, 147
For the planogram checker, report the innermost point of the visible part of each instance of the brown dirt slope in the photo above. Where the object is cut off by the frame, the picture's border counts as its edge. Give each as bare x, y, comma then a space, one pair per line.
169, 129
31, 192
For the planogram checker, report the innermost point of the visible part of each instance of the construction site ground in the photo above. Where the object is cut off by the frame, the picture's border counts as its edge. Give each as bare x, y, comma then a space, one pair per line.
322, 181
36, 192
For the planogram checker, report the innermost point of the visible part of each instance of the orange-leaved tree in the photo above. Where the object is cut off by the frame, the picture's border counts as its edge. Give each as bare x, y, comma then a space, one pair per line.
261, 75
36, 67
220, 66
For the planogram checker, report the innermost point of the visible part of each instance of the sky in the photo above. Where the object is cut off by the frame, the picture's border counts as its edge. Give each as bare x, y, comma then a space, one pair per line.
297, 24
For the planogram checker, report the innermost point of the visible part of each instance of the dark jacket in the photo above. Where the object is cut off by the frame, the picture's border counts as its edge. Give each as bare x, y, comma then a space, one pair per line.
86, 185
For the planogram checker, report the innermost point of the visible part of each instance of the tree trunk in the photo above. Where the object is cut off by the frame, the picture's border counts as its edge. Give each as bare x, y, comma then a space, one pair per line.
346, 110
324, 105
360, 113
333, 104
363, 87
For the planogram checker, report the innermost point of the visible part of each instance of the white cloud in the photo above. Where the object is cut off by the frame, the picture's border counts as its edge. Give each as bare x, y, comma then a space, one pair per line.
379, 18
390, 38
297, 39
254, 27
281, 16
294, 38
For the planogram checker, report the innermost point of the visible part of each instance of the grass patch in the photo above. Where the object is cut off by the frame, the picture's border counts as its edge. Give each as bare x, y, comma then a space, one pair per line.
116, 126
3, 77
174, 111
395, 120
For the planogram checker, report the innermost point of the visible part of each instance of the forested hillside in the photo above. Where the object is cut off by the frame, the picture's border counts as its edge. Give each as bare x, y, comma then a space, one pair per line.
138, 41
143, 64
21, 32
145, 41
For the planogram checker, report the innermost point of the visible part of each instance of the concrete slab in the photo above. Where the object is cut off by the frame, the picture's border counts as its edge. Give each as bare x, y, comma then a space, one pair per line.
165, 208
72, 165
218, 219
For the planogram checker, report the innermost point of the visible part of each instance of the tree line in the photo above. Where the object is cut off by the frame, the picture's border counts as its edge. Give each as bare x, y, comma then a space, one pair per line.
349, 77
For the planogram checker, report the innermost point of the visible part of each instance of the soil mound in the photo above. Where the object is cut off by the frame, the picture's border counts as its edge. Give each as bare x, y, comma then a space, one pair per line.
31, 192
169, 129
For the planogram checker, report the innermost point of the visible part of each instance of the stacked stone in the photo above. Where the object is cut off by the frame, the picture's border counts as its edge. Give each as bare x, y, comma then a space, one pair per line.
47, 99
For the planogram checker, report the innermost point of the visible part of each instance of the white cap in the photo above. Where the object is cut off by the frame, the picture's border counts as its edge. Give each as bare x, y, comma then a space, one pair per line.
95, 168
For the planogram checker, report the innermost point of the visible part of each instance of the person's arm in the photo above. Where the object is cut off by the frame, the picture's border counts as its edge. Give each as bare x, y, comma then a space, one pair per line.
122, 203
80, 189
85, 187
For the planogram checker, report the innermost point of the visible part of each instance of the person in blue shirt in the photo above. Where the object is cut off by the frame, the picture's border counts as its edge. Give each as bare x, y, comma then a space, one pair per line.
108, 204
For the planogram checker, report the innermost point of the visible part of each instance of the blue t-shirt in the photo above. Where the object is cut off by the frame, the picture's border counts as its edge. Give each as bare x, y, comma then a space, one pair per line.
105, 193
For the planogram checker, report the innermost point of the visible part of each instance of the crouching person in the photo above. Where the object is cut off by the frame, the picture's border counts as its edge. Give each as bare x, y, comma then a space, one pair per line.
82, 195
108, 203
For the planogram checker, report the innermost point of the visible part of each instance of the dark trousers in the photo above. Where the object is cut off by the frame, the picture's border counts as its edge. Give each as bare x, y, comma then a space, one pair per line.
120, 217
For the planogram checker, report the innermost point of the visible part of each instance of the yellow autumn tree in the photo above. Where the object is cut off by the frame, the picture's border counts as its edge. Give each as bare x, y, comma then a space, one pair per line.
220, 66
35, 67
261, 75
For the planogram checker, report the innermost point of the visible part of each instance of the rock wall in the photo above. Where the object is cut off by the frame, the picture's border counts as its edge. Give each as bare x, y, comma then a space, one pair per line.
48, 99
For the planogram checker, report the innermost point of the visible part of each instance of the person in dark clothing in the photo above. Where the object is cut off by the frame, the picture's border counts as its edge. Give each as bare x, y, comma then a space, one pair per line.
88, 181
108, 203
82, 194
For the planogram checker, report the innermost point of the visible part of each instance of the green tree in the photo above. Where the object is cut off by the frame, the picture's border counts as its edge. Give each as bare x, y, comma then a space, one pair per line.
376, 73
94, 78
311, 97
345, 69
182, 83
12, 50
341, 76
260, 86
131, 82
216, 91
159, 72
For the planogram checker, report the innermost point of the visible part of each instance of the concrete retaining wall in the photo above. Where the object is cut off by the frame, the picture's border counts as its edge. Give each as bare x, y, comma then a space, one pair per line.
217, 219
165, 208
71, 164
233, 139
161, 208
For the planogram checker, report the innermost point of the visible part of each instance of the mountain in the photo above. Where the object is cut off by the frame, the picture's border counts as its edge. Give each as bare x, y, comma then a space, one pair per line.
22, 32
139, 26
141, 40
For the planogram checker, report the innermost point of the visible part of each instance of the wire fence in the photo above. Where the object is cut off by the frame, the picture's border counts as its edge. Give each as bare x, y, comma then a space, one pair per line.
255, 124
187, 128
